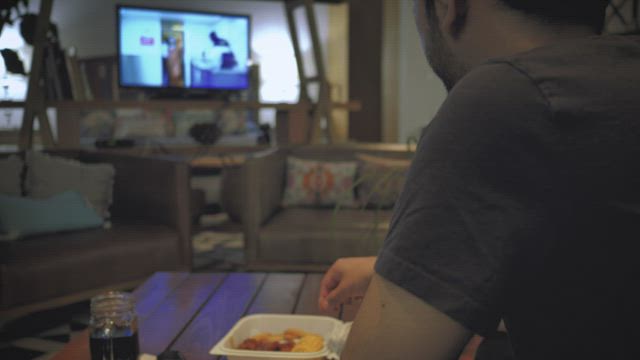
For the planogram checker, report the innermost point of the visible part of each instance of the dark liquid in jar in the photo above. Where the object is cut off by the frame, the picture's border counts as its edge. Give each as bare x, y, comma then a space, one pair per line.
120, 347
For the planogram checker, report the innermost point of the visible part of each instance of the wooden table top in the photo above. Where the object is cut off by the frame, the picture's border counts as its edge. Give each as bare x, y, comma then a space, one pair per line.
191, 312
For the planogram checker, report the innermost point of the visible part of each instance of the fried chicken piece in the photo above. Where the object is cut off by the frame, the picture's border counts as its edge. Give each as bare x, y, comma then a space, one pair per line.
249, 344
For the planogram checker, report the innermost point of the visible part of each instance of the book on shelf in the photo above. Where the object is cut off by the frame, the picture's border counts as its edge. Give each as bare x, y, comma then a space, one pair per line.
88, 95
51, 87
76, 78
101, 76
62, 72
55, 76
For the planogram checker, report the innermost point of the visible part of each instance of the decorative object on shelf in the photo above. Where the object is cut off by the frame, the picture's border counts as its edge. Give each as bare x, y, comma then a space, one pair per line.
205, 133
623, 17
265, 134
183, 120
115, 143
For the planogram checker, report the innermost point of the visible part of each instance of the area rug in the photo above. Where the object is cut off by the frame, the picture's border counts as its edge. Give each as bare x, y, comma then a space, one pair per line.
38, 336
218, 244
218, 251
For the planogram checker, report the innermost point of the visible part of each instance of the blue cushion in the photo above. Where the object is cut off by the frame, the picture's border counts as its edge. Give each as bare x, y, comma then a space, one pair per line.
20, 216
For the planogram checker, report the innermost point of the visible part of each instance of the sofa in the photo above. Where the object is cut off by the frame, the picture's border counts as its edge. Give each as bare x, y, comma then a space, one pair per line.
150, 231
281, 237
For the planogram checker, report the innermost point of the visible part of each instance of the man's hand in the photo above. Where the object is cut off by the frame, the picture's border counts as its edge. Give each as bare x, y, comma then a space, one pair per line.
346, 279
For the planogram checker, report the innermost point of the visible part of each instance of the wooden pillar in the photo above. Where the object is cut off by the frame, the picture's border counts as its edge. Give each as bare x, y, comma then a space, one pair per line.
365, 65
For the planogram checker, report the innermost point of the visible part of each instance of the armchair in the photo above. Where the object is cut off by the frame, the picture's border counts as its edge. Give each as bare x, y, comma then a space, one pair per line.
301, 238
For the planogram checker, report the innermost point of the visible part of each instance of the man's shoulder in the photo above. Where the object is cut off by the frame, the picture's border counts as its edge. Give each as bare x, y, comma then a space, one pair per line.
565, 76
494, 89
588, 60
494, 103
591, 50
581, 77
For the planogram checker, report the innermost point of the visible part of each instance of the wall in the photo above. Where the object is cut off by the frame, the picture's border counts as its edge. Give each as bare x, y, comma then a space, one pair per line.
420, 92
90, 27
337, 68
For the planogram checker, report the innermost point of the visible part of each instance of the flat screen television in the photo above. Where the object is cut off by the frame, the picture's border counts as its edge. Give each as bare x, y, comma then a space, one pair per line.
179, 49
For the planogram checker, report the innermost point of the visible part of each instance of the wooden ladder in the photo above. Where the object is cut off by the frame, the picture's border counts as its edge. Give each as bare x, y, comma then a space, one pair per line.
322, 109
35, 106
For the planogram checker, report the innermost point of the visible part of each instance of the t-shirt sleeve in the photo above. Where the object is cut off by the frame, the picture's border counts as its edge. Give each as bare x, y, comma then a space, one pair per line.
474, 197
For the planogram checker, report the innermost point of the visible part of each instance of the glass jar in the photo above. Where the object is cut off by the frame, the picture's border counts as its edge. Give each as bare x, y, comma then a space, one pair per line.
113, 327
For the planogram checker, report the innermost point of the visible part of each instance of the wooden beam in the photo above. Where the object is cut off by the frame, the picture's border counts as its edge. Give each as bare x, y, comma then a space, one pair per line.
35, 98
390, 66
365, 68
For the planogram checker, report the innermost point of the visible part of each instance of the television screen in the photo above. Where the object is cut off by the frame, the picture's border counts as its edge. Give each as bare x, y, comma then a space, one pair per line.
160, 48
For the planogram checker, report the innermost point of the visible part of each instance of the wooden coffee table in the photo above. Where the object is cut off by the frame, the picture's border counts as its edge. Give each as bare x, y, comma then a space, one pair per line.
191, 312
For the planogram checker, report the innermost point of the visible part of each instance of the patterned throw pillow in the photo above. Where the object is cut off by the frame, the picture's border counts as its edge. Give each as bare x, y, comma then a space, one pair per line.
380, 179
319, 183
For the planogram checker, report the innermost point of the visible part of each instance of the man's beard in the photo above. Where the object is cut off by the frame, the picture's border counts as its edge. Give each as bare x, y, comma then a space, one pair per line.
441, 58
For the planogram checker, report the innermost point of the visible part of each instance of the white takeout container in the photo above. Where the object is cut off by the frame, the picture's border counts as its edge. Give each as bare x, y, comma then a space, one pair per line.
333, 331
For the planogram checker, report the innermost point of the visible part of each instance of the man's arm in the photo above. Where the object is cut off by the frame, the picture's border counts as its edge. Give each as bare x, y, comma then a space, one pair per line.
393, 323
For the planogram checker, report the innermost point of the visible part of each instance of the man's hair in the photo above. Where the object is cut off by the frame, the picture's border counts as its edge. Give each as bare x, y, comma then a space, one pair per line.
577, 12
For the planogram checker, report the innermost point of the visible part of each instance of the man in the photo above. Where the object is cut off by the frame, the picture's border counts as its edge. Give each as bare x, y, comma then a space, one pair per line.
522, 199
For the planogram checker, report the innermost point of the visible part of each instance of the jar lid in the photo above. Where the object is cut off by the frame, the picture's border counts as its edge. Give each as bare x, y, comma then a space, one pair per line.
112, 301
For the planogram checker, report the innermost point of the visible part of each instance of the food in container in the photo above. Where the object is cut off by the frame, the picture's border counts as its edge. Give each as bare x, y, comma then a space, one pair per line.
332, 333
292, 340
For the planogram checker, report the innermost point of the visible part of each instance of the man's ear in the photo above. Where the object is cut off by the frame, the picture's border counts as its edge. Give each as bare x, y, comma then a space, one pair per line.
454, 18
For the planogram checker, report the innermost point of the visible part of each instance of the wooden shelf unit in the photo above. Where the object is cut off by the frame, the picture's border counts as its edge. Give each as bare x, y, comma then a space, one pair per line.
292, 119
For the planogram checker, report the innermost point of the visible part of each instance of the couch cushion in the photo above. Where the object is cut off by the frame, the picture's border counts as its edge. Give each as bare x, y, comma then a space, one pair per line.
320, 236
49, 175
43, 267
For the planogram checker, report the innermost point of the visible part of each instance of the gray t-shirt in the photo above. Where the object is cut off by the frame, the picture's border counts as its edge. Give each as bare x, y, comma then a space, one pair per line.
523, 202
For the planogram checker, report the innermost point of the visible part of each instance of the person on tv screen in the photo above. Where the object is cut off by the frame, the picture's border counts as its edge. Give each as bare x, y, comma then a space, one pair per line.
227, 58
174, 62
